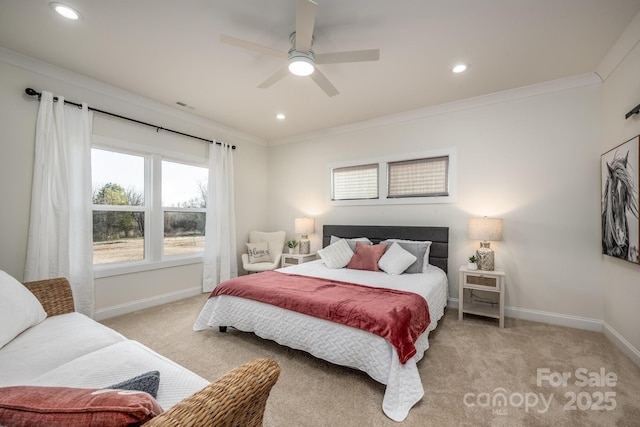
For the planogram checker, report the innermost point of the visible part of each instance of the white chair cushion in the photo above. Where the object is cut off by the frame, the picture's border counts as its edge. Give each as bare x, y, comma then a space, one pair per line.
19, 309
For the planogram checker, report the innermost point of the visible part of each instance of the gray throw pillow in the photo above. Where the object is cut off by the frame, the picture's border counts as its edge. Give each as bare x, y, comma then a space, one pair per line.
418, 249
147, 382
351, 242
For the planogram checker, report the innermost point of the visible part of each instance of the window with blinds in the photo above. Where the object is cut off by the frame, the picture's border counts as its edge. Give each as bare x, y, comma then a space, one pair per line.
355, 182
398, 179
418, 178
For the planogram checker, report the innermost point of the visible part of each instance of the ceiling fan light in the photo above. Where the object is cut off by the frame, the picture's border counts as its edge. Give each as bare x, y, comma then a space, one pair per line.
301, 66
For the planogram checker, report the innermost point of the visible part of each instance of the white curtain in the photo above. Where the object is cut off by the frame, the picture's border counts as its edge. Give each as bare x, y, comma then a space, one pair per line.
60, 230
220, 257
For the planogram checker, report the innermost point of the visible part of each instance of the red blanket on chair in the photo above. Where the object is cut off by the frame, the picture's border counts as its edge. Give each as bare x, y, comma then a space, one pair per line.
397, 316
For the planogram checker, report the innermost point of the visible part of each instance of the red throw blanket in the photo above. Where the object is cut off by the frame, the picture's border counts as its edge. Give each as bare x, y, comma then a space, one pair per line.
397, 316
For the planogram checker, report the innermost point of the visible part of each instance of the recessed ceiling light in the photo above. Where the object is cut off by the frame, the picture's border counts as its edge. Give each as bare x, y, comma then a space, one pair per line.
460, 68
64, 10
280, 116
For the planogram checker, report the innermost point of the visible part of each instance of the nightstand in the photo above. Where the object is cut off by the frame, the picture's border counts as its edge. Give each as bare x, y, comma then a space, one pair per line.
295, 259
482, 280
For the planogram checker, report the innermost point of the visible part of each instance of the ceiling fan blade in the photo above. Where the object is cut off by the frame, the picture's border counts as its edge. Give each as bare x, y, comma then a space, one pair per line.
279, 75
350, 56
324, 83
305, 21
252, 46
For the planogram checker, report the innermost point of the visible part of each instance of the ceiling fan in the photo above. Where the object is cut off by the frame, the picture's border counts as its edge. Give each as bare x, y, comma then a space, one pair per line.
301, 58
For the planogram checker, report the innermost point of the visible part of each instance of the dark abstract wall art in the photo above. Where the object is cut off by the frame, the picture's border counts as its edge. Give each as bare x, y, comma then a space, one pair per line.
620, 221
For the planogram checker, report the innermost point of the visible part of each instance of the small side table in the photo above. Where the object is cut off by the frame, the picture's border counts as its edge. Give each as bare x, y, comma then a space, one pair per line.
295, 259
482, 280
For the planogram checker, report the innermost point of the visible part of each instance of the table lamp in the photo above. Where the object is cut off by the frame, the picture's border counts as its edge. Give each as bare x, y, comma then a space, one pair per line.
485, 229
304, 227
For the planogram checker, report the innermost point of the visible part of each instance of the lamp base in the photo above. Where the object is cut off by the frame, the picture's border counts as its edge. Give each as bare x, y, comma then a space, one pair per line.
305, 246
485, 257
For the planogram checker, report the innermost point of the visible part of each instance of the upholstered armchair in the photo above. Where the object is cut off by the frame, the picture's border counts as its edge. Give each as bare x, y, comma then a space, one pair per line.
252, 262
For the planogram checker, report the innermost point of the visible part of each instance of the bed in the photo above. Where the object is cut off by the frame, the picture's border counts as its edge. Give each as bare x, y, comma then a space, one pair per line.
338, 343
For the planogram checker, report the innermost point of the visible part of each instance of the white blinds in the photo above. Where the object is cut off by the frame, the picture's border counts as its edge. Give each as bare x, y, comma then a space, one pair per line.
418, 178
355, 182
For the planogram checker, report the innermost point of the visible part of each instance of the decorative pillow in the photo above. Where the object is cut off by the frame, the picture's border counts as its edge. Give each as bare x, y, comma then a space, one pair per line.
19, 309
367, 256
147, 382
396, 260
69, 407
420, 249
258, 252
336, 255
351, 242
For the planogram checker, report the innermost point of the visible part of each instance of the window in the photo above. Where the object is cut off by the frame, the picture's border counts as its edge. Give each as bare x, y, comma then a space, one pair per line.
418, 178
148, 208
355, 182
410, 179
119, 210
184, 202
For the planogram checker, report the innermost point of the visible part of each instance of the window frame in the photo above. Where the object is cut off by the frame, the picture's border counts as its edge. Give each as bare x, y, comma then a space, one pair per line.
154, 211
384, 199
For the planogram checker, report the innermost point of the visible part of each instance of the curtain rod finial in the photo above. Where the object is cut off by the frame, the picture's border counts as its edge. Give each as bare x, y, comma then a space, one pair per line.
31, 92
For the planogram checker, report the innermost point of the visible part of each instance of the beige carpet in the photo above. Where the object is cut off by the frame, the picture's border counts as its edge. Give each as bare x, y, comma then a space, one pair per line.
473, 358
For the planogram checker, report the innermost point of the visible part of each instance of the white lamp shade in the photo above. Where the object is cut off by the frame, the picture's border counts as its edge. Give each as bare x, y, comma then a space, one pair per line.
485, 228
304, 225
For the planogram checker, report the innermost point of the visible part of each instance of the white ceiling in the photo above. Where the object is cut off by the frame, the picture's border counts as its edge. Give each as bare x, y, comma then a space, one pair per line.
170, 50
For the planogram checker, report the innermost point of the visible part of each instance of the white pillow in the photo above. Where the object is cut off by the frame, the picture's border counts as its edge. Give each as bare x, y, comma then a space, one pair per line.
396, 260
19, 309
336, 255
258, 252
351, 242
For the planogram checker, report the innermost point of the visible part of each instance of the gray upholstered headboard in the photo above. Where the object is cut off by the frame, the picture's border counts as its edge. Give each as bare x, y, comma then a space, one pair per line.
439, 253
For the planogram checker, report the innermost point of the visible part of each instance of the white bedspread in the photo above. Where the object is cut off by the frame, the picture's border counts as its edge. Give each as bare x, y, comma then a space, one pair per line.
336, 343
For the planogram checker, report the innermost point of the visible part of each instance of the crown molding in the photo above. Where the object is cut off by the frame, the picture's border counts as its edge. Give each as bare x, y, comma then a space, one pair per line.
52, 71
623, 46
579, 80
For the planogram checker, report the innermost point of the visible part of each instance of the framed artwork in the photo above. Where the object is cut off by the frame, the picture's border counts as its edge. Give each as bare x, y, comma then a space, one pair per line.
620, 221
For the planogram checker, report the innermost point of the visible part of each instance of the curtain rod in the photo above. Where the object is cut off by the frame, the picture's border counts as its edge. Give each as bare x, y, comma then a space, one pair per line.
33, 92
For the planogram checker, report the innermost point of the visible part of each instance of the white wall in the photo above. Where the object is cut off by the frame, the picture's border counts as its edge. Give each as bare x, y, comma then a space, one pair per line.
18, 114
530, 156
621, 93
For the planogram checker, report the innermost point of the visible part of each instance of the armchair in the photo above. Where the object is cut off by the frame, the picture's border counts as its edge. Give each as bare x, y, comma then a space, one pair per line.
276, 245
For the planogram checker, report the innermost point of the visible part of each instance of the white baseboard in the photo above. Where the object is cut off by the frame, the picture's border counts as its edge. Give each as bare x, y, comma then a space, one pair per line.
117, 310
625, 346
547, 317
572, 322
554, 318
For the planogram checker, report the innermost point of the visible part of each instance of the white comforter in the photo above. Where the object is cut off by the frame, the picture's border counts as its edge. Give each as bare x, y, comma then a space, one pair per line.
336, 343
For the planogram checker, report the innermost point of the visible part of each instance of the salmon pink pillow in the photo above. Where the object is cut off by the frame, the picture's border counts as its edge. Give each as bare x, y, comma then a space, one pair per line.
69, 407
367, 256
